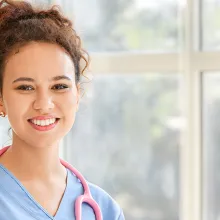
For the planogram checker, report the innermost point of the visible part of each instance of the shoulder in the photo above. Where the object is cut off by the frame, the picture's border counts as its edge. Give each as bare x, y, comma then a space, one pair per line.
110, 208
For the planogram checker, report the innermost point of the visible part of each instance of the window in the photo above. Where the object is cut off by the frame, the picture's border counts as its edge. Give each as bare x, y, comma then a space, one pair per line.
127, 25
126, 139
211, 25
211, 134
5, 139
150, 113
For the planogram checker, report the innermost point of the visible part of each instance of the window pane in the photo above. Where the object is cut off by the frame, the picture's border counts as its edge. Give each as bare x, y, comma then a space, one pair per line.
211, 25
211, 155
126, 139
125, 25
5, 139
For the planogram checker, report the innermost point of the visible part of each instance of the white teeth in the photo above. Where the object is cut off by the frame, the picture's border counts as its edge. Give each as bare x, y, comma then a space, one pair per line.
44, 122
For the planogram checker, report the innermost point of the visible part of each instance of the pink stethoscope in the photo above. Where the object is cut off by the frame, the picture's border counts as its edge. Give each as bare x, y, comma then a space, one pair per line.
86, 197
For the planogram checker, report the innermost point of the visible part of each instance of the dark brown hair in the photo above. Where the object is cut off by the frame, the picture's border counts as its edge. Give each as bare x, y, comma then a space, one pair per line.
21, 23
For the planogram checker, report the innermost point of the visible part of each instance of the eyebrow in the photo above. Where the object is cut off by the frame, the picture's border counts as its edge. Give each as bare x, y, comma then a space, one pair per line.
56, 78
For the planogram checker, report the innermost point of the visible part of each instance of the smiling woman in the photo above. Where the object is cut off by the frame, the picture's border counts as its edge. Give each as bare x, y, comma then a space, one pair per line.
40, 72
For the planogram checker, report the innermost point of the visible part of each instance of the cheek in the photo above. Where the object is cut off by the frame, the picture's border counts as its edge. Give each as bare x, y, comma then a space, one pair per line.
16, 110
16, 106
73, 103
72, 100
68, 104
68, 108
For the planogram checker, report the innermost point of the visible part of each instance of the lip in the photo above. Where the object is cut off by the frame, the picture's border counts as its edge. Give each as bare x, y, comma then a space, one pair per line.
43, 117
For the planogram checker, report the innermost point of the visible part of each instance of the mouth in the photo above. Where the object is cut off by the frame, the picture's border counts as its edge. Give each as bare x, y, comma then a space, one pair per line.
44, 125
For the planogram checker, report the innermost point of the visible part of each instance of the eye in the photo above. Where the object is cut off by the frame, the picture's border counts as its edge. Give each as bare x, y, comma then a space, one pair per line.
25, 87
60, 87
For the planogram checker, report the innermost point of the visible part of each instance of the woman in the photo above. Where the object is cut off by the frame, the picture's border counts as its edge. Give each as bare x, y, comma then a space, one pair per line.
40, 56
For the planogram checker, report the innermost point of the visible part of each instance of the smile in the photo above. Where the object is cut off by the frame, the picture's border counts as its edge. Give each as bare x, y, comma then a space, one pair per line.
44, 122
44, 125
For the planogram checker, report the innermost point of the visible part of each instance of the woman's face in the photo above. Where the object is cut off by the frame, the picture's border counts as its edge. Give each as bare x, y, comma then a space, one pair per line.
39, 80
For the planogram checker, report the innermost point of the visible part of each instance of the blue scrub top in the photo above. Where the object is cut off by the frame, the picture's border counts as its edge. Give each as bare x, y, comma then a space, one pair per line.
17, 204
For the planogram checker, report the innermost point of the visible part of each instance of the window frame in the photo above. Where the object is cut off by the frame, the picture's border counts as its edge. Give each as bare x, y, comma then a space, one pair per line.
191, 61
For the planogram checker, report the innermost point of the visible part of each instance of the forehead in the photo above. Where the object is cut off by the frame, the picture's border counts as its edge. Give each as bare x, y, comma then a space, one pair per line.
40, 61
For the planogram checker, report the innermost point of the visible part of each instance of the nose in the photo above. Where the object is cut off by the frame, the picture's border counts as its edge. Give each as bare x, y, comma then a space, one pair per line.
43, 102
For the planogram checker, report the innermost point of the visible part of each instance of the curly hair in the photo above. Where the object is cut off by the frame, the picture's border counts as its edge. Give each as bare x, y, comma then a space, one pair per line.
21, 23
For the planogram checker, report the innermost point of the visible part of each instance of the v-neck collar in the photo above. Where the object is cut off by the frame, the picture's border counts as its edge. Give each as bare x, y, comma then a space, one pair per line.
18, 188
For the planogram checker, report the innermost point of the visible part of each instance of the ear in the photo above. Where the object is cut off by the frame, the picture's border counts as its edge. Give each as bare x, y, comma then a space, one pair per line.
2, 108
78, 96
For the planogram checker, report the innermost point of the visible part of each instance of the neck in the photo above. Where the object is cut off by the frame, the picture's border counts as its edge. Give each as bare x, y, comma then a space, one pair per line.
30, 162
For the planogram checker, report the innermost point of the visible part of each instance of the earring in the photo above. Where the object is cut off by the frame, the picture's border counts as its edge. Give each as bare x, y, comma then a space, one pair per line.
2, 114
